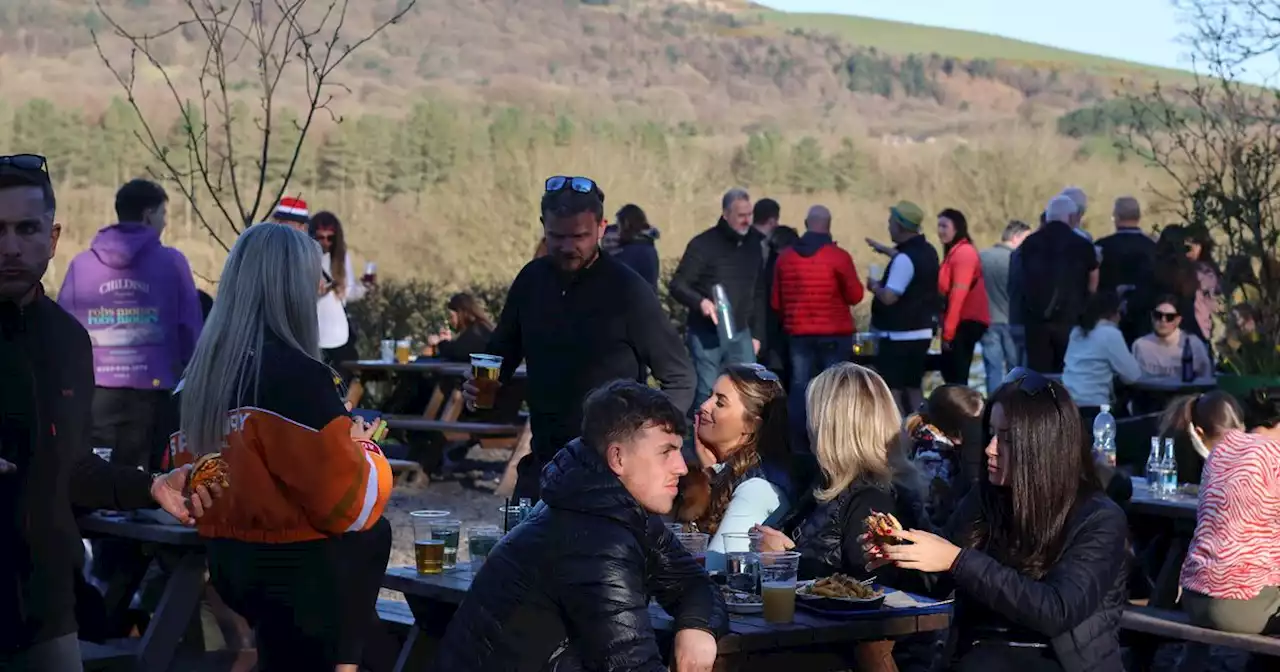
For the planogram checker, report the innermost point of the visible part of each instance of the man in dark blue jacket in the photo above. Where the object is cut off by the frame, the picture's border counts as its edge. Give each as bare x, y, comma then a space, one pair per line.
569, 588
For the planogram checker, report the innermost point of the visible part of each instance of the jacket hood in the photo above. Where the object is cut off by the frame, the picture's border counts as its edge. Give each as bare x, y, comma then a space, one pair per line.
644, 237
577, 479
811, 242
118, 245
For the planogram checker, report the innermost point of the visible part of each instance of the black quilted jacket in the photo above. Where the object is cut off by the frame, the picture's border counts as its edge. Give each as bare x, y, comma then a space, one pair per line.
1076, 606
569, 589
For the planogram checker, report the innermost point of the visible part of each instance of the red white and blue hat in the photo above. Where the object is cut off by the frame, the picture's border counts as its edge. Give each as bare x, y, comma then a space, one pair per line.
292, 210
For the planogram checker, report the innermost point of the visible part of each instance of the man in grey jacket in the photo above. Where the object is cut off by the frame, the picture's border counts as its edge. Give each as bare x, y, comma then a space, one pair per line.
1000, 351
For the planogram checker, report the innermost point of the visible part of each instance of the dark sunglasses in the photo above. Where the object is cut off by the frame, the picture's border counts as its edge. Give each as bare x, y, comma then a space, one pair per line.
1163, 317
582, 185
1030, 382
32, 162
762, 373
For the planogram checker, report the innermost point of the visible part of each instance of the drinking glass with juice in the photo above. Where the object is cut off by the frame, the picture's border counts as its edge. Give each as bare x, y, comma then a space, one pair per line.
428, 551
484, 374
778, 573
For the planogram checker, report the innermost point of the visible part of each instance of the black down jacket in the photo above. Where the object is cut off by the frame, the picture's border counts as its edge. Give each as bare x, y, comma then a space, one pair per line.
569, 589
1076, 605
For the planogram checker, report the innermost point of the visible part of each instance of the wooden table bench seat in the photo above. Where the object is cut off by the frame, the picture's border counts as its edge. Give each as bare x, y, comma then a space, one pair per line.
407, 472
1175, 625
396, 616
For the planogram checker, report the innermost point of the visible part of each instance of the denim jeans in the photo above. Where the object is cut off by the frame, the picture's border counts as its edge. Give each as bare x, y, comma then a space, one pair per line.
811, 355
1000, 354
710, 356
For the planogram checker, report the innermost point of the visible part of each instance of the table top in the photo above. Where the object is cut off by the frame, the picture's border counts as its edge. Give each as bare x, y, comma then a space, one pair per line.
139, 528
422, 365
1176, 385
747, 632
1179, 506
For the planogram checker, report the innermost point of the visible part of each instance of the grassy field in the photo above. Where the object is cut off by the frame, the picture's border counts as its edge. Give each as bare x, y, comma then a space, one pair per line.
896, 37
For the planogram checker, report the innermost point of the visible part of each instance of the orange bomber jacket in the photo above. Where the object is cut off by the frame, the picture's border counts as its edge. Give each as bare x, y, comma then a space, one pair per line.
295, 472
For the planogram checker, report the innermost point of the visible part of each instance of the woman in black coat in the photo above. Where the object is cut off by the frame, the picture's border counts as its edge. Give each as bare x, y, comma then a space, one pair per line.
1038, 555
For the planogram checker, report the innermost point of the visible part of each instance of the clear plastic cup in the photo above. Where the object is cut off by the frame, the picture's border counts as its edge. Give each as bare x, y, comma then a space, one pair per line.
428, 551
480, 542
778, 572
676, 528
696, 544
387, 350
484, 374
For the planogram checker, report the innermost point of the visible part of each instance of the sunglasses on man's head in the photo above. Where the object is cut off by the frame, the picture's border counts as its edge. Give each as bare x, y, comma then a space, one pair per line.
582, 185
1161, 316
32, 162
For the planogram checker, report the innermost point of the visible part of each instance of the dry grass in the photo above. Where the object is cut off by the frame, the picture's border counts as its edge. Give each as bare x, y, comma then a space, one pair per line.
483, 223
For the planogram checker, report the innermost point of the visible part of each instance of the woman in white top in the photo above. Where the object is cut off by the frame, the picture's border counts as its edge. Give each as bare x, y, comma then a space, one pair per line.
741, 439
1097, 354
337, 344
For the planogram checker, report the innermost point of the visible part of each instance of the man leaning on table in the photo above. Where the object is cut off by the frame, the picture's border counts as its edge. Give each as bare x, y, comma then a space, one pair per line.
569, 588
46, 464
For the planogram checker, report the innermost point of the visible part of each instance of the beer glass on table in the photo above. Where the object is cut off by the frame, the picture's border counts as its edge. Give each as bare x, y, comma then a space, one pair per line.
428, 551
404, 349
778, 572
484, 374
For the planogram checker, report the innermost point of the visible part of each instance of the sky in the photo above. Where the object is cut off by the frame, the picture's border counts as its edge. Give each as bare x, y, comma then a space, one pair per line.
1145, 31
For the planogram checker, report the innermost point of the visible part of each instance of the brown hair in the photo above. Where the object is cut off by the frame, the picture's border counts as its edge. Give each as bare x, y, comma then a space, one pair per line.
1215, 413
948, 409
765, 409
337, 251
470, 311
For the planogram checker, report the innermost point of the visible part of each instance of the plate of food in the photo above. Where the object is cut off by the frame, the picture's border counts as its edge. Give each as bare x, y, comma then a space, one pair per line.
741, 603
839, 592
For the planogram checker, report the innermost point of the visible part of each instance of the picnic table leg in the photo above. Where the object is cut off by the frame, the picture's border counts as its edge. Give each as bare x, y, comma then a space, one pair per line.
406, 651
178, 605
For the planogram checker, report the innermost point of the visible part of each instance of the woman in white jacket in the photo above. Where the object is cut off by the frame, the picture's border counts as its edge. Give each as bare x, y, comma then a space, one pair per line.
337, 342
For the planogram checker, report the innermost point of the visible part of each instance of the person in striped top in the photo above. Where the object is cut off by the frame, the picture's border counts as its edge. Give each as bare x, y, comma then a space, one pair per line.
299, 545
1231, 577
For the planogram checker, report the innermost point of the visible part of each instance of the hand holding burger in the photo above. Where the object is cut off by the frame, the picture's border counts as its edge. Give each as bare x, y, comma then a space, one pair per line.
188, 492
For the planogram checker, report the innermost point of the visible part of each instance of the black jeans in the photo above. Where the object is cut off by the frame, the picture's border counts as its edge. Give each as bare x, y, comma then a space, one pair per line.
1047, 347
958, 361
312, 604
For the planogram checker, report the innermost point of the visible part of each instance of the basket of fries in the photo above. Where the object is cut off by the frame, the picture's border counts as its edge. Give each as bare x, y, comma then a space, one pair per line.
839, 592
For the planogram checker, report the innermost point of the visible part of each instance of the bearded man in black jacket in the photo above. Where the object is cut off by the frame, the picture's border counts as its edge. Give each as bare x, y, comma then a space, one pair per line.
569, 588
46, 462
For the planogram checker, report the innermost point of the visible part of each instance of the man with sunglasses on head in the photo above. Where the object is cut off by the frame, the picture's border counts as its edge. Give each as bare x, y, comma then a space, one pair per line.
578, 319
46, 463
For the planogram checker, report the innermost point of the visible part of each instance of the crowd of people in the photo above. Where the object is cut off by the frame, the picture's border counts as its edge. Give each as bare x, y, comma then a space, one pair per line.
765, 428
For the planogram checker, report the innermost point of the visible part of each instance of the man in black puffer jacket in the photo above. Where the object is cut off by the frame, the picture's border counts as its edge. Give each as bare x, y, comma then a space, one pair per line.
569, 588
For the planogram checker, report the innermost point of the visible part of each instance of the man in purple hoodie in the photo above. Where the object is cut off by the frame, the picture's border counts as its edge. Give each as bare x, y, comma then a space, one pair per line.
138, 301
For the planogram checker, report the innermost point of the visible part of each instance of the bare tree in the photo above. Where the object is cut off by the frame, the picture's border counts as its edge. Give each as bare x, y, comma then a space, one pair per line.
264, 43
1217, 139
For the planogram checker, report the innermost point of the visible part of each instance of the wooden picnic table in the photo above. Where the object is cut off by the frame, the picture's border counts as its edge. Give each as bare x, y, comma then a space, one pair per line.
1175, 386
421, 365
1180, 512
179, 603
814, 643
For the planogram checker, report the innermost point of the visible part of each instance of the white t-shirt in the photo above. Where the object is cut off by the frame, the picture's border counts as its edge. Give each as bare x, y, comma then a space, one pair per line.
334, 330
901, 272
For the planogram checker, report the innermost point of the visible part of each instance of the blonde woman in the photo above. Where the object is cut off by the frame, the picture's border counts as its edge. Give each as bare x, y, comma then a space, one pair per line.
856, 433
299, 545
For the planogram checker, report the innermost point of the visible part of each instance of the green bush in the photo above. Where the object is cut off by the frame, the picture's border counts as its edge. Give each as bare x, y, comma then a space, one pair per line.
412, 309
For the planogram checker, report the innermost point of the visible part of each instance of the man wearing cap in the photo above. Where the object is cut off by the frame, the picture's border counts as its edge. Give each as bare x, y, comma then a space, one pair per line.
46, 464
904, 312
1051, 277
293, 212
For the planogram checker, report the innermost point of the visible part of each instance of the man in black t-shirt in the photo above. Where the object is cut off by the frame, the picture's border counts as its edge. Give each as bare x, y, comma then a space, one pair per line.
1128, 261
1051, 277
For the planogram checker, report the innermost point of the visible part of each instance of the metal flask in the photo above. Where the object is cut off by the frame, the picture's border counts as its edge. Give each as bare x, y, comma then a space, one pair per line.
724, 314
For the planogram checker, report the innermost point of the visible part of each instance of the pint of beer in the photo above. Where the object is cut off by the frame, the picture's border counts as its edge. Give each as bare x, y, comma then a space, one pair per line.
403, 348
484, 372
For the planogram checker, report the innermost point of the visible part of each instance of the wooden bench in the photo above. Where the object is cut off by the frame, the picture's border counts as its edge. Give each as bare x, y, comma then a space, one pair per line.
1174, 625
108, 657
396, 616
407, 472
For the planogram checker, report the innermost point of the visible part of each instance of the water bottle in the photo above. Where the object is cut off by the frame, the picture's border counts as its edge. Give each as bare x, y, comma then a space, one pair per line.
1169, 469
724, 314
1155, 482
1188, 361
1104, 435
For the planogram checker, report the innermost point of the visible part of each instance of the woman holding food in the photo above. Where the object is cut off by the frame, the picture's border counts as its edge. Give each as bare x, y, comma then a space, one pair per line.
856, 435
1038, 554
741, 440
298, 546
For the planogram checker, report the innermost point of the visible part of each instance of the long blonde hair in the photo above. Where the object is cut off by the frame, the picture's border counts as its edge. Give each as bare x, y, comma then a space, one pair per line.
268, 283
856, 431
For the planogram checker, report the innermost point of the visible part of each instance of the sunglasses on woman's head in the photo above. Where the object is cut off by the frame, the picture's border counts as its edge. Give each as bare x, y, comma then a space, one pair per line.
1030, 382
1161, 316
31, 162
762, 373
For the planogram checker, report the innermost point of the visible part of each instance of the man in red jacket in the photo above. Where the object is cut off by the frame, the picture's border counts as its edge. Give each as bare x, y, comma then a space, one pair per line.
814, 286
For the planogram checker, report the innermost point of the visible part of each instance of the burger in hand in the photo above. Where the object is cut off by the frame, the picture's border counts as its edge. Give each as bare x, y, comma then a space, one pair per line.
209, 469
881, 528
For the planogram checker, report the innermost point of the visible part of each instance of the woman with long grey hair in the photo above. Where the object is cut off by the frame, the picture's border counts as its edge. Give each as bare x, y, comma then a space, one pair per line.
299, 545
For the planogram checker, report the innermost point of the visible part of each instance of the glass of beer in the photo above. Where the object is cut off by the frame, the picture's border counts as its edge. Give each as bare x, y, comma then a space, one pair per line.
428, 552
480, 542
484, 372
403, 349
696, 544
449, 533
778, 573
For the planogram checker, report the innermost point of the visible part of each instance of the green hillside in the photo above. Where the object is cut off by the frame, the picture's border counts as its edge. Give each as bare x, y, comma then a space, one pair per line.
899, 38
